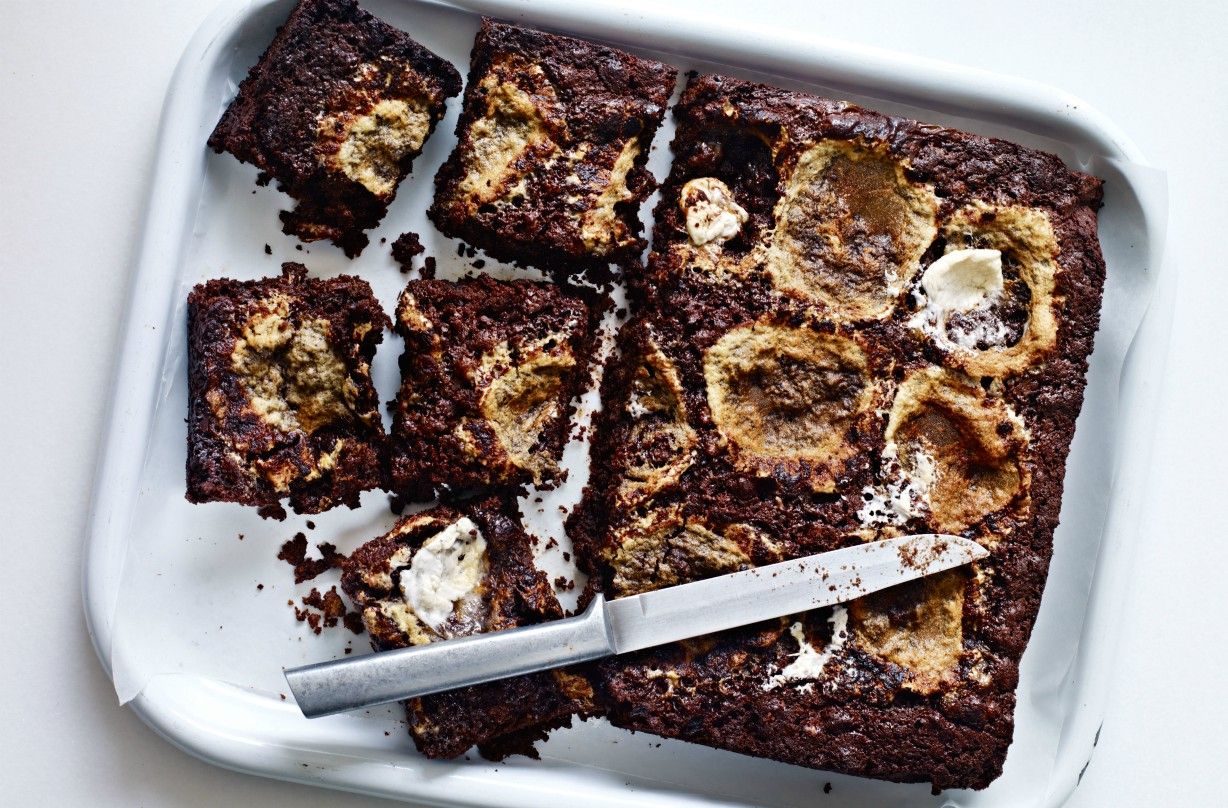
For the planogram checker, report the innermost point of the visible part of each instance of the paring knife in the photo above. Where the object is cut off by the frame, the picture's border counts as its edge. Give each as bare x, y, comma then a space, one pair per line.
627, 624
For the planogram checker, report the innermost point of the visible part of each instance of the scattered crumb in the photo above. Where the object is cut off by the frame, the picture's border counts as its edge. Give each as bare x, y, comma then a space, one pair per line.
294, 553
263, 178
349, 650
311, 525
259, 587
283, 696
396, 504
566, 556
563, 584
827, 788
274, 511
428, 267
552, 543
329, 610
241, 537
268, 250
299, 247
405, 249
479, 264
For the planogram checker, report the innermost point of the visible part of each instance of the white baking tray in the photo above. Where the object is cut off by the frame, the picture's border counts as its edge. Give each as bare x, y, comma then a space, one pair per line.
170, 590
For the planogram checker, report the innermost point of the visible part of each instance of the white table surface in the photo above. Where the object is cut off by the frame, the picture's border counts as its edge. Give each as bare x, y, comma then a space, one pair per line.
81, 88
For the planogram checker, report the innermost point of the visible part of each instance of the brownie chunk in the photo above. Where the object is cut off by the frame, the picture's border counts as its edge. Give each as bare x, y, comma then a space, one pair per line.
280, 400
851, 327
487, 379
454, 571
553, 138
336, 110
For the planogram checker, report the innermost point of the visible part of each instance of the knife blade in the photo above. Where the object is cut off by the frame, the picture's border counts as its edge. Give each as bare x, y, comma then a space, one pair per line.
627, 624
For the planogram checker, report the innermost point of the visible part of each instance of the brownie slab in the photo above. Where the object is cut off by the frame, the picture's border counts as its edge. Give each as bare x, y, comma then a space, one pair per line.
487, 379
553, 139
851, 327
455, 571
280, 400
336, 110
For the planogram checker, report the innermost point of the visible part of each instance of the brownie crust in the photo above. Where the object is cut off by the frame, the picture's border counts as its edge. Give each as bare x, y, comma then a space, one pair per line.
504, 717
280, 399
549, 168
779, 394
336, 110
489, 373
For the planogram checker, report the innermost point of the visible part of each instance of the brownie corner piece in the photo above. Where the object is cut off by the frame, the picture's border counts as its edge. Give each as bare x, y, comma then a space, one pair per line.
549, 168
488, 376
336, 110
280, 399
454, 571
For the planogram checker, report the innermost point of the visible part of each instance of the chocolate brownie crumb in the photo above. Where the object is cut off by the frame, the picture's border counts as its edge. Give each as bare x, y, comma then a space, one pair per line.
405, 249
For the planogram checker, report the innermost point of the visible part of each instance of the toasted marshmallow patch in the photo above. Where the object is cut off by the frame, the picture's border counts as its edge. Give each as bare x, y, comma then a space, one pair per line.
513, 126
520, 399
809, 662
659, 438
850, 229
963, 280
374, 145
444, 574
917, 626
785, 398
960, 449
711, 213
977, 339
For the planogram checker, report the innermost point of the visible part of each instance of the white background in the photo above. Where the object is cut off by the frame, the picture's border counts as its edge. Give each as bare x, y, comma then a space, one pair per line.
81, 88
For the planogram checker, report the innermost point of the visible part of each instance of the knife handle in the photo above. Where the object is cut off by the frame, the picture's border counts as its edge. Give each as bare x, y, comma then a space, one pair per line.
348, 684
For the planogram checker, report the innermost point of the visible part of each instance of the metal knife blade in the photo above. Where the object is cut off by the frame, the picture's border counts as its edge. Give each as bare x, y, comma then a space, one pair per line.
689, 610
627, 624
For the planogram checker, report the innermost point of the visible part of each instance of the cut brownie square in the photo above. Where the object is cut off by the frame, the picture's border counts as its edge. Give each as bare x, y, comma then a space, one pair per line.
851, 327
280, 400
336, 110
553, 138
487, 379
454, 571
